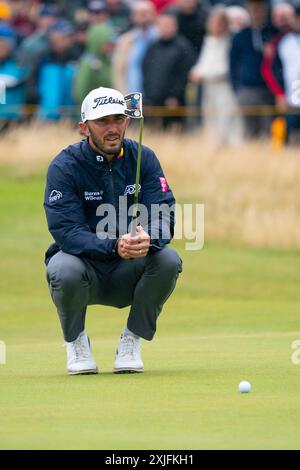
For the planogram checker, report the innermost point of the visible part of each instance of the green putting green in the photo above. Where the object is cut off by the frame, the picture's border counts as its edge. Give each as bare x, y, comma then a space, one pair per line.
233, 317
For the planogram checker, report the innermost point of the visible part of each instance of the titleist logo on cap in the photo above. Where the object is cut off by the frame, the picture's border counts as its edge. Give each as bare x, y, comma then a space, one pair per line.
102, 100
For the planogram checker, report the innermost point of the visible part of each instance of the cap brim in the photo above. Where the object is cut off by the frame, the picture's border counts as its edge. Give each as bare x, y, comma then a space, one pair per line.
110, 110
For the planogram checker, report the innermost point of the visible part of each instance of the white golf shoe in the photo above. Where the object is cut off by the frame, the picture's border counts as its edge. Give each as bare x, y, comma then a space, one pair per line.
80, 360
128, 355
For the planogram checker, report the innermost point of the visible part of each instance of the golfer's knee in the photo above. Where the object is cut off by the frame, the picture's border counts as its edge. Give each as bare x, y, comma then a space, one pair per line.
66, 272
168, 262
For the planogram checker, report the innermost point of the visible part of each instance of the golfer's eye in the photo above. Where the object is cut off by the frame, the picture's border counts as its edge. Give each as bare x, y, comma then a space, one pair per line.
120, 118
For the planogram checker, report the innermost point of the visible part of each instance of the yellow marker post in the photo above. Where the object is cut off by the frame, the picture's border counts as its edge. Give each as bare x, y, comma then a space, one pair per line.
278, 134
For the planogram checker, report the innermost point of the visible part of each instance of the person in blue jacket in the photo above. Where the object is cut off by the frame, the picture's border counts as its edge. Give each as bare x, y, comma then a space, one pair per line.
94, 260
12, 79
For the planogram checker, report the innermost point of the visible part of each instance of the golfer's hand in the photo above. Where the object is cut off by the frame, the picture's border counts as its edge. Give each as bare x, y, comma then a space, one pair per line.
134, 247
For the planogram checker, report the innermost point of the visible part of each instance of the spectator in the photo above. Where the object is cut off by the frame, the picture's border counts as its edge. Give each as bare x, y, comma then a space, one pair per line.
119, 14
55, 74
80, 38
289, 53
238, 18
132, 47
166, 66
37, 43
12, 79
97, 12
22, 17
246, 58
95, 65
282, 18
221, 117
192, 17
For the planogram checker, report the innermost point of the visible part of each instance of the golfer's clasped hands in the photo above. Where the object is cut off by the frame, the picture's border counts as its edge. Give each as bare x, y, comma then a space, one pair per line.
134, 247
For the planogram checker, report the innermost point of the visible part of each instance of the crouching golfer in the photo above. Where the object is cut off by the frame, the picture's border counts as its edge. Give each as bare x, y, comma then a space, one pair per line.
94, 260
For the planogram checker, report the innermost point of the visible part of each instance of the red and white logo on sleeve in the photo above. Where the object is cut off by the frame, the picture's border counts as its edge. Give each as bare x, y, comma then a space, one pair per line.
164, 184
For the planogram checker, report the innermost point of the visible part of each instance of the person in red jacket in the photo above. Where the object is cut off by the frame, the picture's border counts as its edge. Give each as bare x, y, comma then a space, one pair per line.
282, 19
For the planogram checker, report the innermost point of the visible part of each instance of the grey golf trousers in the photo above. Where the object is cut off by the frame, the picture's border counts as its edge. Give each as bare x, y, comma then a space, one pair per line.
145, 284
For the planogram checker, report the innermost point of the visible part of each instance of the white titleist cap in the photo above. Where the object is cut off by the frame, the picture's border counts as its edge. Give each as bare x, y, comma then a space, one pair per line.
102, 102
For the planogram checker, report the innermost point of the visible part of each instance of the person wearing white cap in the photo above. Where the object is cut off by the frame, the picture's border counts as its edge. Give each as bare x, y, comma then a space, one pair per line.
95, 260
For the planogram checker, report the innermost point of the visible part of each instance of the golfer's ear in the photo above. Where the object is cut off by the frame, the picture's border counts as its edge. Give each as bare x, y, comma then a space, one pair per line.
84, 129
127, 121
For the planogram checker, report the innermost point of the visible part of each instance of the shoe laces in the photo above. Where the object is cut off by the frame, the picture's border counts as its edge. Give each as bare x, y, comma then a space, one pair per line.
129, 346
80, 349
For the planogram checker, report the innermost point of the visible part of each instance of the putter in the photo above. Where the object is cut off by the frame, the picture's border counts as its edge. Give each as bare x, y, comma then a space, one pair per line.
134, 109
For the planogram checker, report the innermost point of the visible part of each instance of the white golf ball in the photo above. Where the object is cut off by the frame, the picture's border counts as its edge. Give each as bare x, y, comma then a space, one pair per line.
244, 387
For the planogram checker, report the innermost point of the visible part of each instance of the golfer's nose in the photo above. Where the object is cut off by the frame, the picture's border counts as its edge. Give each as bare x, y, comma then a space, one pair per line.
113, 126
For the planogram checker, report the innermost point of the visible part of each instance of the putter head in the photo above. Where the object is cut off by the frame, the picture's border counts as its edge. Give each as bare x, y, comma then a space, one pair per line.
134, 105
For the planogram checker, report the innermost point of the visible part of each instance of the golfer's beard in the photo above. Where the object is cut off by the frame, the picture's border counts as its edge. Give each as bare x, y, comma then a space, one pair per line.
101, 148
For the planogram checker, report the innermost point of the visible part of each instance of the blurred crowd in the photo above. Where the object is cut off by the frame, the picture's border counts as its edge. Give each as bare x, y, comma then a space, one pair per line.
237, 61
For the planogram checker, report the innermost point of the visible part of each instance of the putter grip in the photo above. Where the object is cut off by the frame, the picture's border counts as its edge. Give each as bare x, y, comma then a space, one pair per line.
133, 227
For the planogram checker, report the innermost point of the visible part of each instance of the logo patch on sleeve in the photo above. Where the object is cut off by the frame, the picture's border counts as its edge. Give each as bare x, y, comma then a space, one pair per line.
164, 184
55, 195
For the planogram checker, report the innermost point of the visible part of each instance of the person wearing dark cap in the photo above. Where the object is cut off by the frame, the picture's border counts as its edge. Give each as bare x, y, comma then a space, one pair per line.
12, 78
